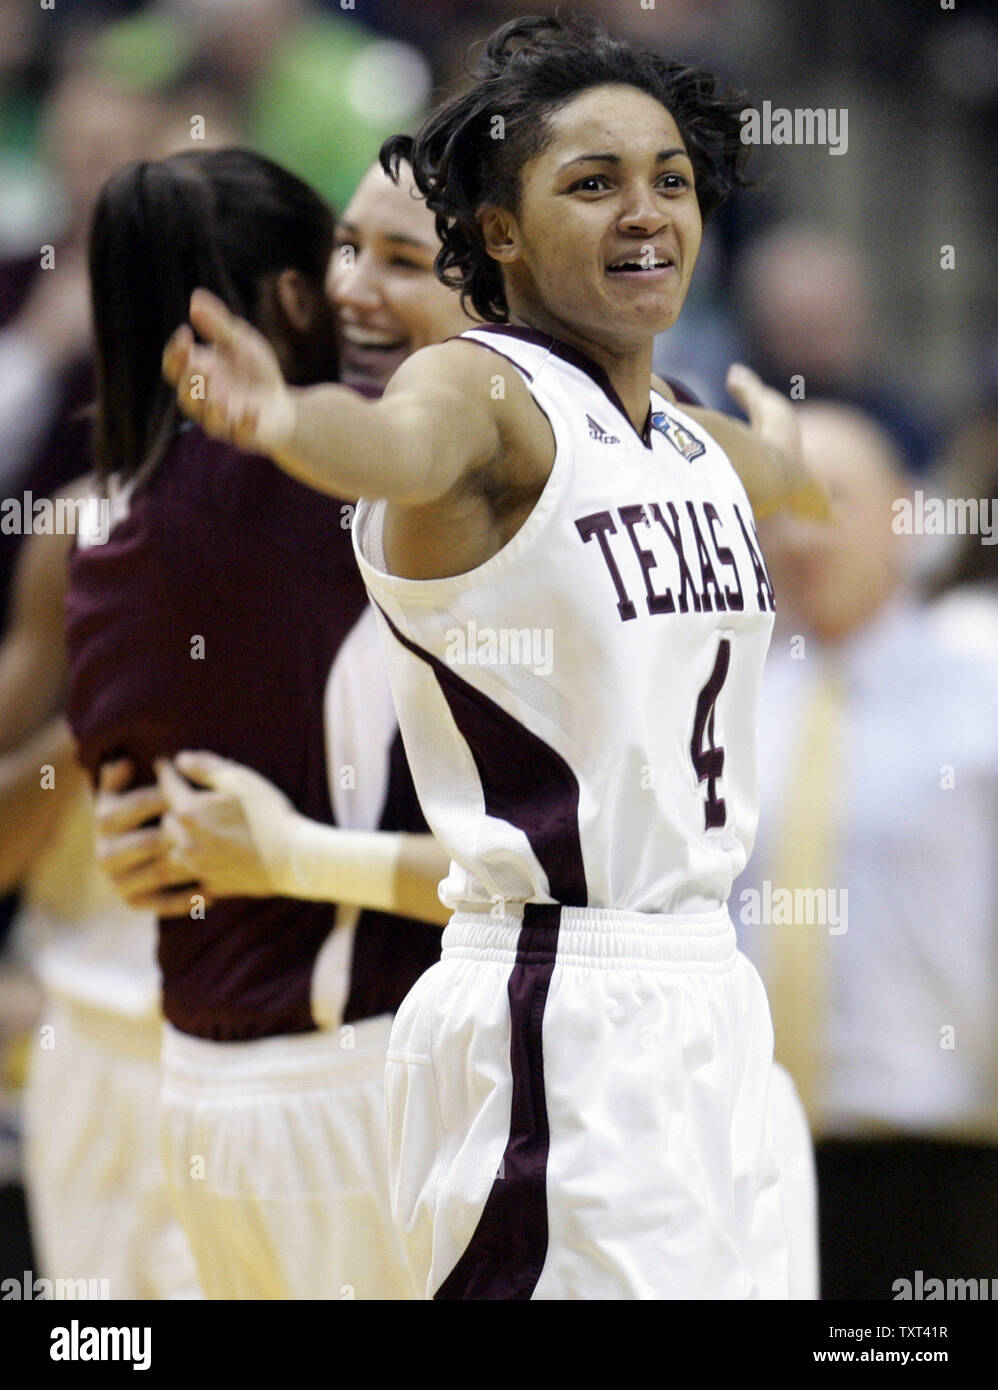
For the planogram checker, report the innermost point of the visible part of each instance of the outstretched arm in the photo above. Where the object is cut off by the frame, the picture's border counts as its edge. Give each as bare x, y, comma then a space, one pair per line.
432, 425
766, 453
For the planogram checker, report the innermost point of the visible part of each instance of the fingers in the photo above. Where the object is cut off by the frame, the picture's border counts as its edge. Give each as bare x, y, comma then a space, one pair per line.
747, 389
148, 875
115, 776
147, 865
178, 795
174, 361
223, 411
189, 815
182, 799
119, 855
212, 318
118, 813
202, 767
197, 374
742, 377
231, 384
179, 841
162, 875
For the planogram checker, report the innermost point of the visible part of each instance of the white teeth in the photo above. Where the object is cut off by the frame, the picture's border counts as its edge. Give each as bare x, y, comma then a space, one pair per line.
658, 264
364, 340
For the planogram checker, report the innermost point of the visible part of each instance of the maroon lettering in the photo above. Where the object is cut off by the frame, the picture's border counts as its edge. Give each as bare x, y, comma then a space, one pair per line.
598, 524
708, 578
708, 757
675, 536
735, 597
764, 589
657, 603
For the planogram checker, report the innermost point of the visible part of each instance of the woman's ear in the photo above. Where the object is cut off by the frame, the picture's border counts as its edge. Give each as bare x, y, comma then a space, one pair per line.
295, 298
500, 233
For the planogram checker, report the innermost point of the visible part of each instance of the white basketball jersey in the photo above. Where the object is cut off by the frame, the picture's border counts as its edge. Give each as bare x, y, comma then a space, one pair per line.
579, 712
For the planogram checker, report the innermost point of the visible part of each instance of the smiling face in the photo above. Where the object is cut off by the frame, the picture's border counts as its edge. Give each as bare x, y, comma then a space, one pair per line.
603, 244
390, 301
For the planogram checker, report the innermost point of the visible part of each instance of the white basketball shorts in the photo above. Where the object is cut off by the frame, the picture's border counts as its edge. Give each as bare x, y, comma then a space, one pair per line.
579, 1108
99, 1204
276, 1155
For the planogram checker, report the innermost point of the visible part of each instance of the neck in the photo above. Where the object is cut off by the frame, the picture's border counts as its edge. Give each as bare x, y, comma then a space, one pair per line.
629, 368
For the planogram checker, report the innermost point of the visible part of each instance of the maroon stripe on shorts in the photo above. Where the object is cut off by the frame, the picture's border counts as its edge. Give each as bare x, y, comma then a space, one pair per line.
505, 1256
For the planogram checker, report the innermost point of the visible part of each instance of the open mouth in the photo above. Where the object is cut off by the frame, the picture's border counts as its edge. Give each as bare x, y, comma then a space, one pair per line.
638, 265
362, 345
371, 361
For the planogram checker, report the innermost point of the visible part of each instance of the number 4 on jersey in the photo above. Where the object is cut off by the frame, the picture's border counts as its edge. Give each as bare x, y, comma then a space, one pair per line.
708, 760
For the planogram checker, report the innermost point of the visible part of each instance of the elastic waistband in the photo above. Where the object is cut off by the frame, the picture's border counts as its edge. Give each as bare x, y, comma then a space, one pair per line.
289, 1062
597, 937
139, 1038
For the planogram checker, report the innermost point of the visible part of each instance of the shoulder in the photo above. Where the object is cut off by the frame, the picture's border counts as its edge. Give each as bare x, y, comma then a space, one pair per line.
459, 364
468, 377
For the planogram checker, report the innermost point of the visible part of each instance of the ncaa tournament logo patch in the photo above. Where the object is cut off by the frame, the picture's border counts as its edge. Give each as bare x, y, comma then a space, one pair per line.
678, 436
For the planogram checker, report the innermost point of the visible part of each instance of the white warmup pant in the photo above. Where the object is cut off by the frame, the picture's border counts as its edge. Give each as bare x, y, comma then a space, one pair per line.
580, 1108
795, 1156
96, 1188
276, 1155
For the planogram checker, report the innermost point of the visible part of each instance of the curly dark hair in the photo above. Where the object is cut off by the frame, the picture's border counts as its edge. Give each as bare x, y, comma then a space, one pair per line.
529, 69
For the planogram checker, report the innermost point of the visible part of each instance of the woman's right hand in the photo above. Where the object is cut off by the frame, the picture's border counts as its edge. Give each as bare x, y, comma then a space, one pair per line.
232, 827
139, 858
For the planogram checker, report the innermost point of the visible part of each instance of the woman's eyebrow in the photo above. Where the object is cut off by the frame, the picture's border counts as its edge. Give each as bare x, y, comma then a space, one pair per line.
660, 158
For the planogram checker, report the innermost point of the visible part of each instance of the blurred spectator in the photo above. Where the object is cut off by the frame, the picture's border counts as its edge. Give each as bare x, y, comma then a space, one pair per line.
808, 310
90, 126
967, 584
445, 29
896, 1054
317, 90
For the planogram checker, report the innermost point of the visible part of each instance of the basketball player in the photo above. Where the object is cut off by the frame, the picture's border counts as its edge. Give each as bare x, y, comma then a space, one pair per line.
240, 833
180, 633
579, 1092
